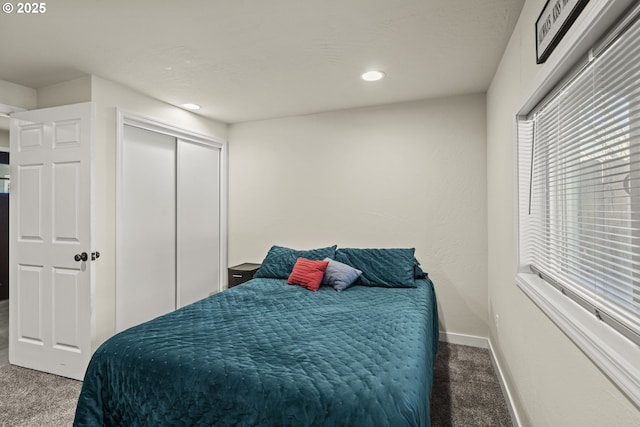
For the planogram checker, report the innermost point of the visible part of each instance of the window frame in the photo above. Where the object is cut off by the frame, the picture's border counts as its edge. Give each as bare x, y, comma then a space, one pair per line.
613, 353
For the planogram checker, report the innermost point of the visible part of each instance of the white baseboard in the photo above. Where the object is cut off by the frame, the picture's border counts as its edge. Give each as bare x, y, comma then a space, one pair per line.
515, 418
462, 339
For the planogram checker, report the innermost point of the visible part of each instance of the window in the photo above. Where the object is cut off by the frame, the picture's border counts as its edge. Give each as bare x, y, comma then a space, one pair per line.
579, 204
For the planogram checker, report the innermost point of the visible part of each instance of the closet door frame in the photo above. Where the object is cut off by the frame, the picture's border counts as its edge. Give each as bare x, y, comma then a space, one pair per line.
123, 119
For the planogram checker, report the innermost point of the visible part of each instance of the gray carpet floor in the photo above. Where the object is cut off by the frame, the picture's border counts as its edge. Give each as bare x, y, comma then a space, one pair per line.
466, 391
30, 398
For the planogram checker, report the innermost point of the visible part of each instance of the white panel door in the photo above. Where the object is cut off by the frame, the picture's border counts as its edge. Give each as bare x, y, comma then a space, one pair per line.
198, 243
52, 322
146, 227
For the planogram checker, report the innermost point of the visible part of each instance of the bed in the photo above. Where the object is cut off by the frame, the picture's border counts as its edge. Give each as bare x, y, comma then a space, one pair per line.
267, 353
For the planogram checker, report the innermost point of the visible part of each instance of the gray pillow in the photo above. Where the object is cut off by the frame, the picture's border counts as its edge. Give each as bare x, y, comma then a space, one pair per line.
340, 275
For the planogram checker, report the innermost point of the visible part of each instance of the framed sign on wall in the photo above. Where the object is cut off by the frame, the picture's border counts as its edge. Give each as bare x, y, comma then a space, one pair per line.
552, 24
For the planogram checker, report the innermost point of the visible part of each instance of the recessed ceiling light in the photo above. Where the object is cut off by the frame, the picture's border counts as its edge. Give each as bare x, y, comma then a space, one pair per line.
190, 106
372, 76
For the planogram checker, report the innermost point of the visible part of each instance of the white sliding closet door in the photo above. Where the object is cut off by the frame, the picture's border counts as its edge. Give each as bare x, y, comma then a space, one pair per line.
169, 248
198, 221
147, 227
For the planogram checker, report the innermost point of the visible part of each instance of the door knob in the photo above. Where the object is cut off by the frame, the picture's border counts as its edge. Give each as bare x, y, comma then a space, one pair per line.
81, 257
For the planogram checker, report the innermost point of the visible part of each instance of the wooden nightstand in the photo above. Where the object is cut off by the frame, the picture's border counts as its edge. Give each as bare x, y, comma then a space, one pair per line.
241, 273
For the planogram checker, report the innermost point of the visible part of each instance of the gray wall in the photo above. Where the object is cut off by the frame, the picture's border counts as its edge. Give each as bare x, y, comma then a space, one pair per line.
403, 175
4, 138
552, 382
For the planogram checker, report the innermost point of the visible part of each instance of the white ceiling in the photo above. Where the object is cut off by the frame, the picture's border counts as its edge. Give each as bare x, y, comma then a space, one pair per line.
247, 60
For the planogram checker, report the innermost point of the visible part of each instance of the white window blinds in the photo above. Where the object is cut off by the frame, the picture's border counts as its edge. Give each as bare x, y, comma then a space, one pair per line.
579, 178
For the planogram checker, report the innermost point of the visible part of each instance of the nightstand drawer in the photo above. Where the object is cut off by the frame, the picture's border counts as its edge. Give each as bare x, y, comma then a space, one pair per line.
242, 273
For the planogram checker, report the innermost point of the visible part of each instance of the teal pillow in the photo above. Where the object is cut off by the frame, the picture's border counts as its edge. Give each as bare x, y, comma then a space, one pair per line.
418, 273
390, 268
340, 275
279, 262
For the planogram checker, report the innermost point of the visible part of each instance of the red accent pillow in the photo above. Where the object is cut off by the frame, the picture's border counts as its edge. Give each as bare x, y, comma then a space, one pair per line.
308, 273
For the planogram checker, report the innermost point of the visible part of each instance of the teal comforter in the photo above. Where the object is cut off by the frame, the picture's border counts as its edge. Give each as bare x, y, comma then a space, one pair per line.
270, 354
